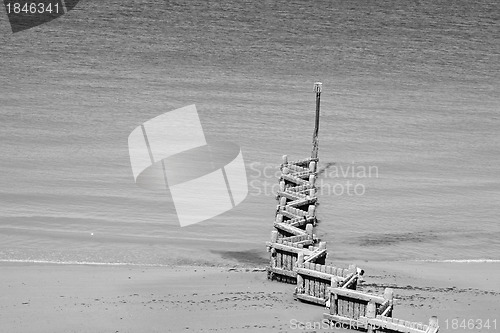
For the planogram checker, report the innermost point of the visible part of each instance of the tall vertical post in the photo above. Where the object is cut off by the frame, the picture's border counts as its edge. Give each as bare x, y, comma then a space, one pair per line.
317, 90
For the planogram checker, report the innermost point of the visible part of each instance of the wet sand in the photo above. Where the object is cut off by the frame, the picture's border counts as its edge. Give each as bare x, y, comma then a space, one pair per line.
89, 298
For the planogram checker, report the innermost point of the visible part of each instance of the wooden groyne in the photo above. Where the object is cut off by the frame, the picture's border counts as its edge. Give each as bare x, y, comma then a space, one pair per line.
298, 256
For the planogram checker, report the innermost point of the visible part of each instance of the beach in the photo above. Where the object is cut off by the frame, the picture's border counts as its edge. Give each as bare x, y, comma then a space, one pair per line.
94, 298
409, 120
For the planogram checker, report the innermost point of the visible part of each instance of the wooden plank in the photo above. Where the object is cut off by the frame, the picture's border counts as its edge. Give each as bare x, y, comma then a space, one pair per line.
317, 254
362, 309
283, 261
287, 248
311, 299
357, 295
304, 162
383, 307
293, 179
348, 313
313, 273
288, 214
340, 310
296, 239
283, 272
305, 243
278, 259
387, 311
300, 222
290, 229
334, 303
289, 195
301, 201
317, 284
322, 284
349, 281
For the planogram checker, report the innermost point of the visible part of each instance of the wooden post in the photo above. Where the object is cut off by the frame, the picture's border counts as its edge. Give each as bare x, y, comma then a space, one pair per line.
279, 218
322, 245
312, 166
282, 201
433, 322
309, 230
371, 312
333, 297
274, 236
300, 280
282, 186
312, 180
300, 259
285, 159
389, 295
312, 193
317, 90
311, 210
273, 258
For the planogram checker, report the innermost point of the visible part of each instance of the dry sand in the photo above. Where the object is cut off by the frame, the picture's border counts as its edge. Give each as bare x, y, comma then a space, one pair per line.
88, 298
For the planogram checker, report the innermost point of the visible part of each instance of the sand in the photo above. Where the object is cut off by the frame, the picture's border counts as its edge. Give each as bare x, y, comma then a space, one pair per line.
92, 298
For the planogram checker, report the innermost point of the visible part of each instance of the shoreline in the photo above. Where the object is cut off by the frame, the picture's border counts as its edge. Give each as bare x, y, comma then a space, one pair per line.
103, 298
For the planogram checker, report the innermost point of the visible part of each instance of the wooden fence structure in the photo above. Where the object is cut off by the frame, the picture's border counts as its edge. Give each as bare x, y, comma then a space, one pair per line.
314, 280
347, 306
297, 256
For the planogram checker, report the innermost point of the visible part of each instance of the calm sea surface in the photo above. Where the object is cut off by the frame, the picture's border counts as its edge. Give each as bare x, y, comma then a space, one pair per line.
411, 92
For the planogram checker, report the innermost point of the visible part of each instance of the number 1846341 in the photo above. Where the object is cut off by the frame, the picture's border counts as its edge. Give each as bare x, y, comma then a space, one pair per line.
32, 8
471, 324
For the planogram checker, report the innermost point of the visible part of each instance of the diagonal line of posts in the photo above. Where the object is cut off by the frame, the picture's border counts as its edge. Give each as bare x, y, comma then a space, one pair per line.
298, 256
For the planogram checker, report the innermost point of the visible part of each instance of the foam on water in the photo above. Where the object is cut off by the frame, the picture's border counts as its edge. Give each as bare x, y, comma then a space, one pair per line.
55, 262
462, 261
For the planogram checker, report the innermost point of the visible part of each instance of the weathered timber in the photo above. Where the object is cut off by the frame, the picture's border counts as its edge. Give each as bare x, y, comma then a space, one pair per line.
296, 259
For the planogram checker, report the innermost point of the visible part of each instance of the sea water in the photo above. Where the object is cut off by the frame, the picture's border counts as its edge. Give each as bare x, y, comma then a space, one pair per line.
411, 96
